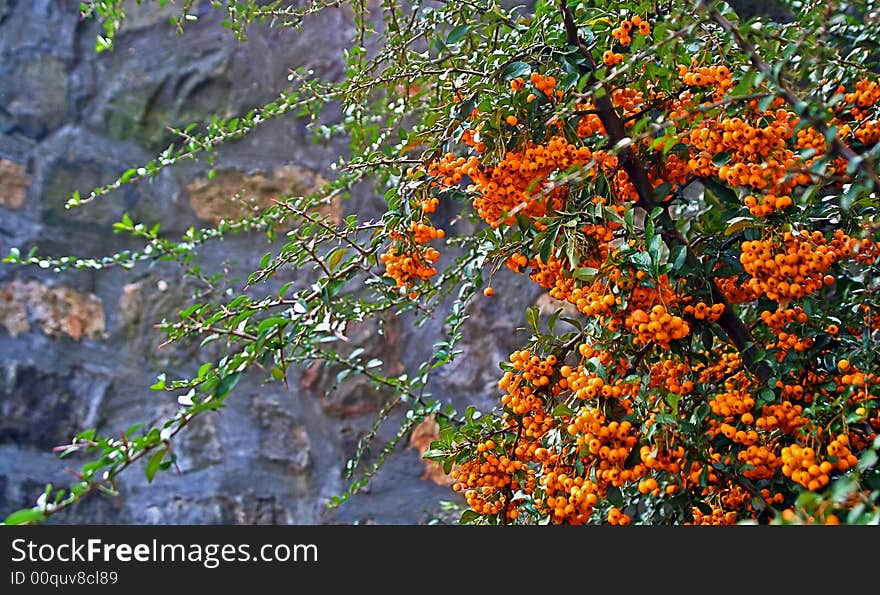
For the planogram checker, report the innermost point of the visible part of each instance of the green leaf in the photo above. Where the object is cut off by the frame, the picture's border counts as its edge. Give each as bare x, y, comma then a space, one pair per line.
160, 382
532, 318
562, 410
680, 253
226, 384
722, 158
584, 273
335, 257
468, 517
737, 224
154, 463
25, 516
457, 34
720, 191
615, 496
867, 460
514, 70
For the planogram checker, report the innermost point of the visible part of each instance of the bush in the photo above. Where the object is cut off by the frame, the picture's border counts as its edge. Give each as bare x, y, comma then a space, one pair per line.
697, 193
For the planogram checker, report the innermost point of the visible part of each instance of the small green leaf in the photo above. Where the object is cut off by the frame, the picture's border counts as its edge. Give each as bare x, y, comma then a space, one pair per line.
335, 257
562, 410
154, 463
226, 384
615, 496
584, 273
468, 517
25, 516
160, 382
737, 224
457, 34
532, 318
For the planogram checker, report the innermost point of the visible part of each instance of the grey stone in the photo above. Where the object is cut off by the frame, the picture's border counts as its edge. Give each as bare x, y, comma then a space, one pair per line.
282, 439
47, 410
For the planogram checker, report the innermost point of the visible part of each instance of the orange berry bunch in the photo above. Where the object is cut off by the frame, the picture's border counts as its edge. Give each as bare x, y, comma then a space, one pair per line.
618, 517
660, 457
422, 233
762, 206
746, 437
802, 464
794, 267
703, 311
624, 31
736, 400
489, 478
670, 374
587, 386
717, 516
735, 291
762, 462
517, 262
409, 266
865, 96
781, 318
706, 76
545, 84
550, 276
657, 326
606, 446
786, 417
517, 184
568, 499
610, 58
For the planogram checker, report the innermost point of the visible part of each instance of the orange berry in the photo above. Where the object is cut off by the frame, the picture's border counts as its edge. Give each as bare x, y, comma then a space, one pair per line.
488, 292
843, 365
512, 120
828, 280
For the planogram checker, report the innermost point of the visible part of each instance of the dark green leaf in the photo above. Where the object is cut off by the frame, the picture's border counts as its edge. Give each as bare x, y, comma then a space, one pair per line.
514, 70
153, 464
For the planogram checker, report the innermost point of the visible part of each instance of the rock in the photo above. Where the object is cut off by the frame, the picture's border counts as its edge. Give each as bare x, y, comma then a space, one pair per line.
75, 159
13, 184
261, 510
38, 103
140, 15
247, 509
36, 54
200, 446
420, 439
547, 306
234, 194
56, 310
48, 409
282, 439
179, 510
131, 305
